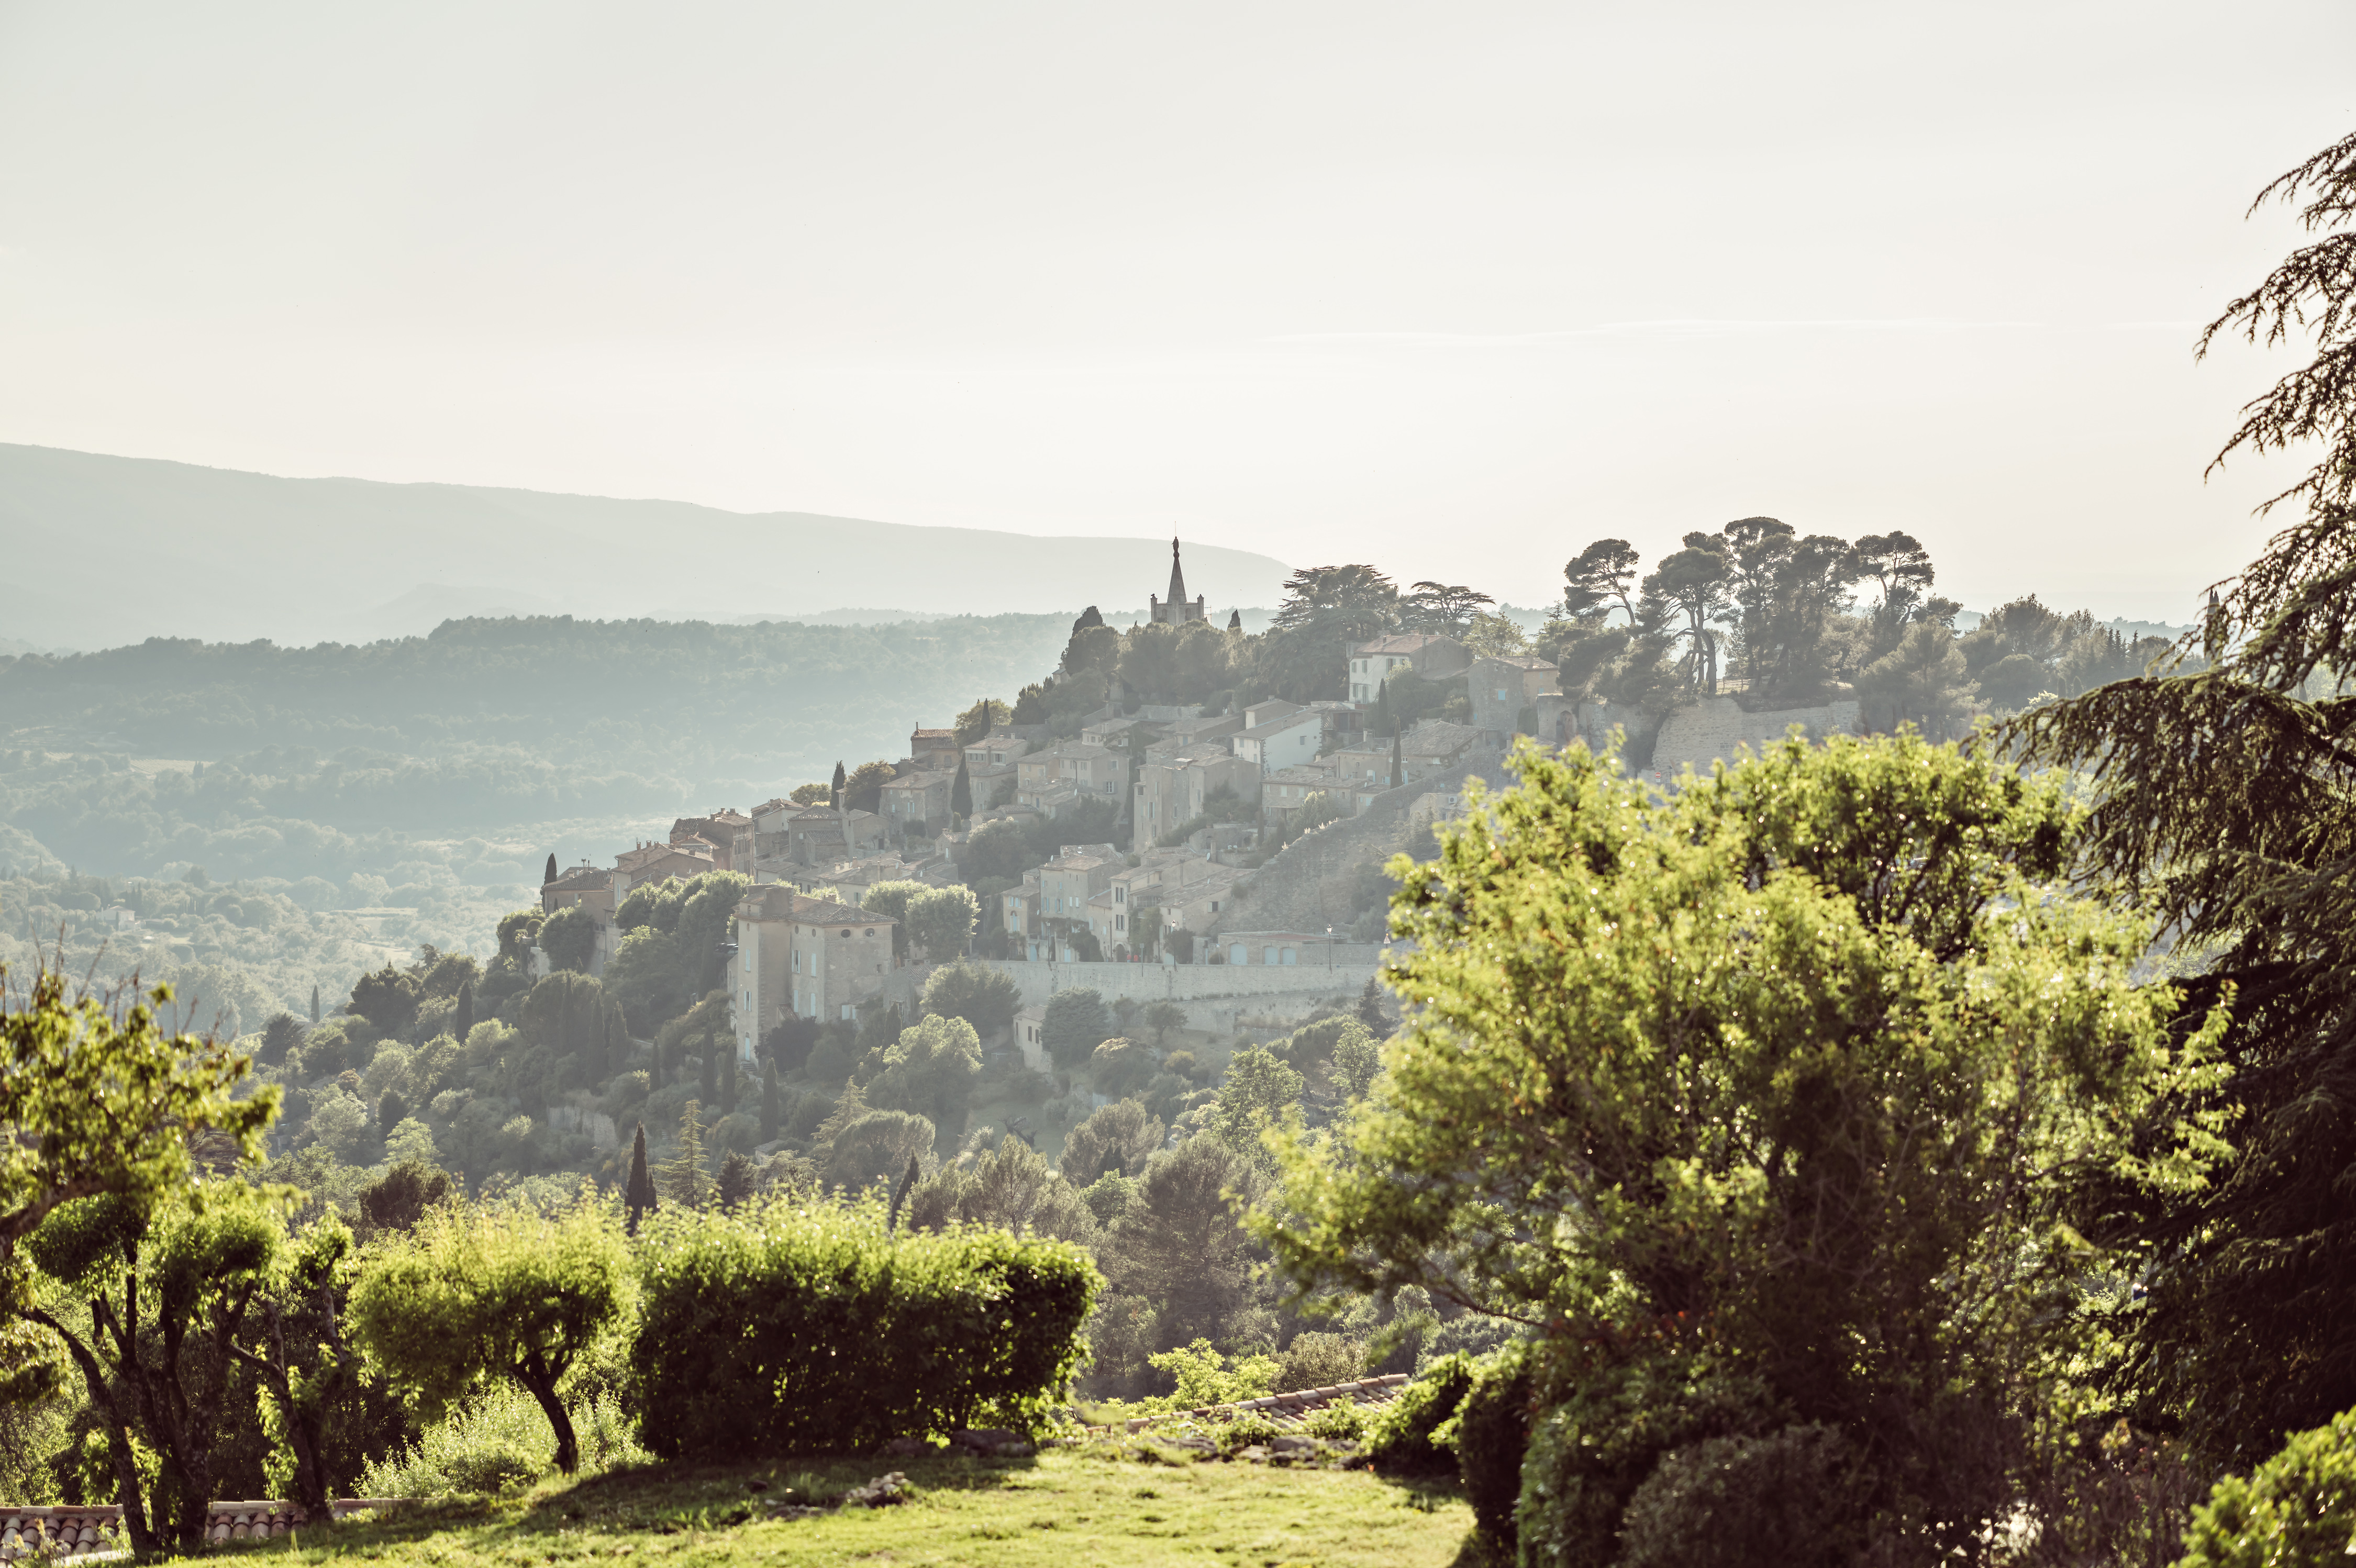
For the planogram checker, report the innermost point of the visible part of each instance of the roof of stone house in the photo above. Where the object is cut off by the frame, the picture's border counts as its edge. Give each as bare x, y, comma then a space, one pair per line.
1399, 642
583, 876
647, 855
79, 1532
1437, 737
1518, 660
1293, 1409
932, 735
1299, 773
928, 779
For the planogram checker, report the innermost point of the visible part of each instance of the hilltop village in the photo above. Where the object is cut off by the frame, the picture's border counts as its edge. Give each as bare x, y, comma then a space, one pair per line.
1186, 877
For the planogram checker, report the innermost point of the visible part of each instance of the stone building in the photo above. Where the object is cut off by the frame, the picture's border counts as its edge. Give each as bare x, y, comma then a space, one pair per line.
1500, 689
812, 957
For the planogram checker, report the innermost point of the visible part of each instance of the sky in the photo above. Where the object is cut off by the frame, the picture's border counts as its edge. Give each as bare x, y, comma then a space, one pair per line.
1450, 288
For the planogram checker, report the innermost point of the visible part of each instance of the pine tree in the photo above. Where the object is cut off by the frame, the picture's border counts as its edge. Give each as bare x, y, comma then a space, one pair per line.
960, 793
710, 1085
771, 1108
463, 1022
549, 875
1371, 1012
683, 1180
736, 1181
641, 1192
390, 1111
314, 1007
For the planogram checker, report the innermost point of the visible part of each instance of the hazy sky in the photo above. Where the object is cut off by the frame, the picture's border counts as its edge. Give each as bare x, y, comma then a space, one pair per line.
1452, 288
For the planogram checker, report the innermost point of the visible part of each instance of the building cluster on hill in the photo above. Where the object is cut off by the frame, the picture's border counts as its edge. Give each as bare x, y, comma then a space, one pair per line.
1200, 792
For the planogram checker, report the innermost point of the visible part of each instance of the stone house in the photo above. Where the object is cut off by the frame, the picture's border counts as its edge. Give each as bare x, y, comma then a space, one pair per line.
917, 804
812, 957
1030, 1038
1279, 734
1500, 689
1198, 904
1434, 745
1056, 779
635, 867
1171, 790
727, 830
592, 887
820, 835
1186, 733
1428, 654
934, 750
1286, 788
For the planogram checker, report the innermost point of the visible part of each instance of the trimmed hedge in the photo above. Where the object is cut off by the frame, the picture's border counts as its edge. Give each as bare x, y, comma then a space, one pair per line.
787, 1331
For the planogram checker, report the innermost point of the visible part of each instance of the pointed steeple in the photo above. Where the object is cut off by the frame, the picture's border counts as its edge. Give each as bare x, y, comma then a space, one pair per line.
1177, 577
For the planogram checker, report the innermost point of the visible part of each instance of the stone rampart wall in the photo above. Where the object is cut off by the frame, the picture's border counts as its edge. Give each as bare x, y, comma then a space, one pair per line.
1217, 996
1710, 730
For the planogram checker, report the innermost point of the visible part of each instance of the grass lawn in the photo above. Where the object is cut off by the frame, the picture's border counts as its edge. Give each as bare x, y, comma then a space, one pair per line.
1068, 1508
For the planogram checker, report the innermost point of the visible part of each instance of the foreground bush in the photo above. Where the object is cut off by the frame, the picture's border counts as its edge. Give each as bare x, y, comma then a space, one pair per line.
1399, 1439
783, 1330
2298, 1508
501, 1441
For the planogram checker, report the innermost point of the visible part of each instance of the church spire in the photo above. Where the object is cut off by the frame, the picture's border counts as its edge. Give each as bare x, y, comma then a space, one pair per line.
1177, 577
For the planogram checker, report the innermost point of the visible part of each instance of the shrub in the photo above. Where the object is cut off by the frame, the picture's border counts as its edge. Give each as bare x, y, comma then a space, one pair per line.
1340, 1421
1792, 1498
1205, 1379
2295, 1509
1492, 1431
498, 1442
830, 1336
1251, 1427
1399, 1438
1320, 1361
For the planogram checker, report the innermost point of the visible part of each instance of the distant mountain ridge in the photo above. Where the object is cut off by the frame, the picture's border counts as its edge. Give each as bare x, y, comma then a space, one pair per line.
102, 550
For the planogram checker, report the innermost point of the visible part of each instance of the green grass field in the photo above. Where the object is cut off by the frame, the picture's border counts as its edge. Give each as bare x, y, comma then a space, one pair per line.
1099, 1504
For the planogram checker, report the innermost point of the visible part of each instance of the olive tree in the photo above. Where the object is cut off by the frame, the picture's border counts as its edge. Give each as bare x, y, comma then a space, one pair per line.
471, 1294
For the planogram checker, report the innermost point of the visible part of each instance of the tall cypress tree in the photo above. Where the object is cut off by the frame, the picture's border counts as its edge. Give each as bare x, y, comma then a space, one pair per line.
315, 1005
1399, 771
639, 1194
960, 793
771, 1111
839, 781
711, 1084
728, 1085
1386, 720
463, 1024
549, 875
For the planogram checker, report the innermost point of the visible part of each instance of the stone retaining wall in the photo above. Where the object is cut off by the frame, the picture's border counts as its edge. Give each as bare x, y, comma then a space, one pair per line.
1217, 997
1710, 729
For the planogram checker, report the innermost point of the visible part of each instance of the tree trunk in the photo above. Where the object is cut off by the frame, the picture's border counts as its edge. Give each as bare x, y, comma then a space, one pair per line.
118, 1437
541, 1384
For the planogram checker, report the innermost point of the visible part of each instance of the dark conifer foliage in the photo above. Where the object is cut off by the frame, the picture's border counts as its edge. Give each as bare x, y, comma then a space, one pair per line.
639, 1193
549, 875
2226, 799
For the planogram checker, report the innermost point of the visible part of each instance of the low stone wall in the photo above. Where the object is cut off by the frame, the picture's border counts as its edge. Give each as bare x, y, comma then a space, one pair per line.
1217, 996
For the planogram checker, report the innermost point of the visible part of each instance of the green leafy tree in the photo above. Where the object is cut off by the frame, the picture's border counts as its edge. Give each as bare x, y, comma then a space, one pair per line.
1445, 608
106, 1103
168, 1281
930, 1071
1922, 681
1115, 1140
569, 938
711, 1086
772, 1107
984, 997
1076, 1024
1179, 1243
2223, 797
507, 1294
1163, 1017
645, 975
313, 1378
1599, 575
388, 999
976, 723
518, 930
863, 791
736, 1182
889, 900
1848, 1090
940, 919
1260, 1094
